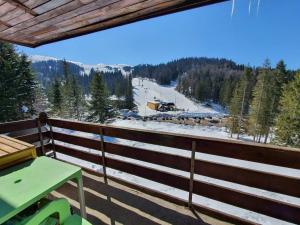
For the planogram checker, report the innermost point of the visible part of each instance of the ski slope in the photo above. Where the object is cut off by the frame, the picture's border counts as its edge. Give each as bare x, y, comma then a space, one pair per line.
146, 90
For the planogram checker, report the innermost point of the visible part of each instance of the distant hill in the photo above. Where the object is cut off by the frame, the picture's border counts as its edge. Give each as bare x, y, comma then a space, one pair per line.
47, 69
199, 78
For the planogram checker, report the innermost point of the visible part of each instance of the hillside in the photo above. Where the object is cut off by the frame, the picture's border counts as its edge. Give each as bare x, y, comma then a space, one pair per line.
146, 90
202, 79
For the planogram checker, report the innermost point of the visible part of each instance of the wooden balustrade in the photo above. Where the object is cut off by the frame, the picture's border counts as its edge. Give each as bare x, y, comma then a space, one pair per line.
266, 154
271, 155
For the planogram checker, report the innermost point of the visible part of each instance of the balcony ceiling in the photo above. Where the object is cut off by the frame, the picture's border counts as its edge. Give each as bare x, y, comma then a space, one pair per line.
37, 22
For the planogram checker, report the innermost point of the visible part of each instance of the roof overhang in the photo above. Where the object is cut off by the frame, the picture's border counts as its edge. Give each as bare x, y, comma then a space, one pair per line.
36, 22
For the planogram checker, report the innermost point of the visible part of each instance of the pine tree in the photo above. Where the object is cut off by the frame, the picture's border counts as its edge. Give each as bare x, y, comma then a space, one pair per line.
129, 101
26, 86
238, 103
262, 106
56, 98
73, 98
41, 100
16, 85
288, 122
76, 98
281, 78
100, 108
8, 101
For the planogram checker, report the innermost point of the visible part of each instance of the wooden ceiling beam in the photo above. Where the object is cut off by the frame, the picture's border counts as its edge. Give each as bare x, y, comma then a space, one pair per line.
4, 23
22, 6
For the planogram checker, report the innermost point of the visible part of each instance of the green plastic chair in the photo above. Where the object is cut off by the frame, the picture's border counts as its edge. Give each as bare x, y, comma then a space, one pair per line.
60, 207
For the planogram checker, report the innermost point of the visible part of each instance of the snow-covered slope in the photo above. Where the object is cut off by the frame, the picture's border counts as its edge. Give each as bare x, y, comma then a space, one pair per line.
40, 58
146, 90
86, 67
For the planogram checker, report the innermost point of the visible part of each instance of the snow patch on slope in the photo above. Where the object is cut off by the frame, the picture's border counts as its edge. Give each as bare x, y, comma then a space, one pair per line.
40, 58
146, 90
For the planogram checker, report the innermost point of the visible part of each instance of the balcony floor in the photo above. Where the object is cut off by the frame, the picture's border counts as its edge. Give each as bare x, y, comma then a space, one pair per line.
114, 204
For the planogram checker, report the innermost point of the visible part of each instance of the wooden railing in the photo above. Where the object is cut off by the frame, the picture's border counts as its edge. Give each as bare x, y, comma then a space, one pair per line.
31, 131
265, 154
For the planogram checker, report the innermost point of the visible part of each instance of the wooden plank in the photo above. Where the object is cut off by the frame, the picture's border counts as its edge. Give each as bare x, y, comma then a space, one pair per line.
8, 149
22, 6
173, 161
268, 154
15, 140
12, 14
17, 126
250, 177
80, 18
2, 153
32, 138
6, 7
259, 204
2, 26
22, 18
106, 13
55, 16
13, 144
50, 5
34, 3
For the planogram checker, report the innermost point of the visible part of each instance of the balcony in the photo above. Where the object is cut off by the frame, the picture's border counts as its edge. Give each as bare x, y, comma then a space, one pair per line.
113, 200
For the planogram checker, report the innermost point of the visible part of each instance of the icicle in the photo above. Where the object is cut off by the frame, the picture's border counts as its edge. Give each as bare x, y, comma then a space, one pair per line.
258, 5
250, 4
233, 7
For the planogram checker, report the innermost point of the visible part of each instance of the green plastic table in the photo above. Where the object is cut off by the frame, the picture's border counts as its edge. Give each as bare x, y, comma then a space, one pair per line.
26, 183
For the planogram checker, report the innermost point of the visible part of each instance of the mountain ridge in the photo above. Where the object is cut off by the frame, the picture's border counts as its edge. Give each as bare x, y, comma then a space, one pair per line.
102, 67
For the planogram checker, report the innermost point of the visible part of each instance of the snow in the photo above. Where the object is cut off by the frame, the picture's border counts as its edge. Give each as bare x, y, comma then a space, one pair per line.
40, 58
86, 67
102, 67
146, 90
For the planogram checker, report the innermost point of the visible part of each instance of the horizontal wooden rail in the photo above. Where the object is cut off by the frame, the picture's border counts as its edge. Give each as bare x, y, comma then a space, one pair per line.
273, 155
259, 204
32, 138
258, 179
17, 126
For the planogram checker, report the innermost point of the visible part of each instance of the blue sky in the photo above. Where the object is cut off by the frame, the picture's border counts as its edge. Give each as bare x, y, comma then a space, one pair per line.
273, 32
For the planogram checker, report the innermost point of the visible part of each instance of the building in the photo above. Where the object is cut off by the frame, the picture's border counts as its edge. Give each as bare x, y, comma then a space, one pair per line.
153, 105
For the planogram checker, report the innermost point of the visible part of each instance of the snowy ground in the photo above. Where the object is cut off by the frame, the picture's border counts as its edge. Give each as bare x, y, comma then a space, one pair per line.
146, 90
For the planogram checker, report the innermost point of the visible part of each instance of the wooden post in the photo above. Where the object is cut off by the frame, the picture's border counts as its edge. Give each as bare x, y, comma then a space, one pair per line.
192, 169
103, 154
52, 140
40, 135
